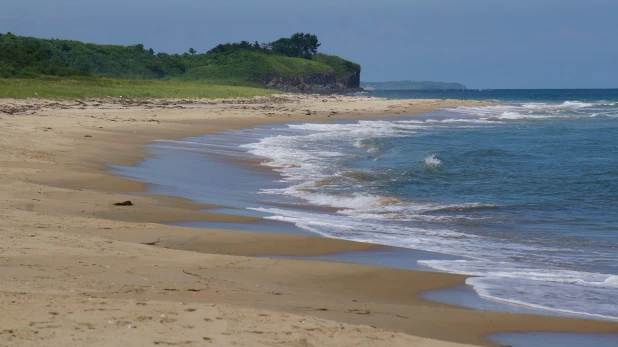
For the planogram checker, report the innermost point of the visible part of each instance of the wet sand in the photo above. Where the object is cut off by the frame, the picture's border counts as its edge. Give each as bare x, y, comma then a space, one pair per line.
78, 270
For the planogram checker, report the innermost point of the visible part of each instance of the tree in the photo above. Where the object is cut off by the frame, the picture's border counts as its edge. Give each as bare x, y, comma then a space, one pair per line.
306, 44
240, 46
192, 50
300, 45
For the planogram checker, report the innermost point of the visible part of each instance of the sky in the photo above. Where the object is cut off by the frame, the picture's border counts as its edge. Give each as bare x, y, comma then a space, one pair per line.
480, 43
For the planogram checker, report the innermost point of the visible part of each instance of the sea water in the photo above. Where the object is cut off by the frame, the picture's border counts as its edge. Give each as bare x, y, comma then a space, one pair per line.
522, 194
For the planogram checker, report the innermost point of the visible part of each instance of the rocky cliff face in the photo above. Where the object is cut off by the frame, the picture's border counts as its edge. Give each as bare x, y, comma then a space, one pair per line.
351, 82
319, 83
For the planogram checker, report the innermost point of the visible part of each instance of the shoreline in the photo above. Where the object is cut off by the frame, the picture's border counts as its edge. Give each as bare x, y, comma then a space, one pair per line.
57, 188
361, 256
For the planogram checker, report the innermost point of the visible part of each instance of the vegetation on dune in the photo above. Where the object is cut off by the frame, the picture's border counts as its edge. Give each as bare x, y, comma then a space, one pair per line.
230, 63
25, 58
98, 87
130, 62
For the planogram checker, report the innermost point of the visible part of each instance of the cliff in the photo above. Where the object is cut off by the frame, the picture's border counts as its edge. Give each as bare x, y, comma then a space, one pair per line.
319, 82
321, 74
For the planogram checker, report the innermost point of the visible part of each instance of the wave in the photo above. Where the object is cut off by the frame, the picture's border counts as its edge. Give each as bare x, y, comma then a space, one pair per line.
536, 296
566, 292
357, 201
537, 110
318, 163
611, 281
577, 104
509, 271
465, 207
564, 105
369, 144
570, 292
432, 162
609, 104
517, 115
483, 121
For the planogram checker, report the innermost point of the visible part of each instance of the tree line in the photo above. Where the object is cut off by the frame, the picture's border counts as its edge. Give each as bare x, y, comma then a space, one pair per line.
299, 45
27, 59
33, 57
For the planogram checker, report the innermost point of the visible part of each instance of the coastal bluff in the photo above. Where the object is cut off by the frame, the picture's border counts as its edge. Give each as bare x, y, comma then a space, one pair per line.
287, 64
320, 82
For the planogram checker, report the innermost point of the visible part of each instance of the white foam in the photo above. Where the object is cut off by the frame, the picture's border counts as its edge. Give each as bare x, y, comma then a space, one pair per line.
355, 201
462, 121
577, 104
301, 155
307, 155
502, 279
512, 115
432, 161
527, 111
611, 281
368, 146
571, 299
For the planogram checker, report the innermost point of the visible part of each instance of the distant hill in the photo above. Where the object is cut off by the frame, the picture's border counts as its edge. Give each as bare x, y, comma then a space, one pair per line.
288, 63
411, 85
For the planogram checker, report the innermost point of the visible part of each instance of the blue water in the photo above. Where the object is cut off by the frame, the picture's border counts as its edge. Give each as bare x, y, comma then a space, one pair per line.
524, 194
554, 340
503, 95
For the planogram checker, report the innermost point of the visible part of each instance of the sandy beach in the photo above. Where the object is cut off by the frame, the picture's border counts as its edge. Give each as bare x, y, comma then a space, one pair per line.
77, 270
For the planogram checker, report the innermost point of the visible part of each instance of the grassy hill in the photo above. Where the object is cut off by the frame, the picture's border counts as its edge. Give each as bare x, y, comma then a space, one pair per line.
239, 65
234, 64
412, 85
343, 68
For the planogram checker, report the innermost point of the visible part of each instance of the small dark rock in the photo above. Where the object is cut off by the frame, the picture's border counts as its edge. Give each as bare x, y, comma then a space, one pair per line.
124, 203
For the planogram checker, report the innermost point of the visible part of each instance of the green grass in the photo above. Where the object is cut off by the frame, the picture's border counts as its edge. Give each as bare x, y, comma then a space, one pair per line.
342, 67
241, 65
90, 87
228, 81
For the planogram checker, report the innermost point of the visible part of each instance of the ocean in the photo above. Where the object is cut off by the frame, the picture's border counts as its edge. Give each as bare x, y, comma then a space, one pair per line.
523, 194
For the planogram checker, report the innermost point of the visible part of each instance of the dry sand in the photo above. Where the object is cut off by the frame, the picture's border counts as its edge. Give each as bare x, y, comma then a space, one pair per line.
75, 270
